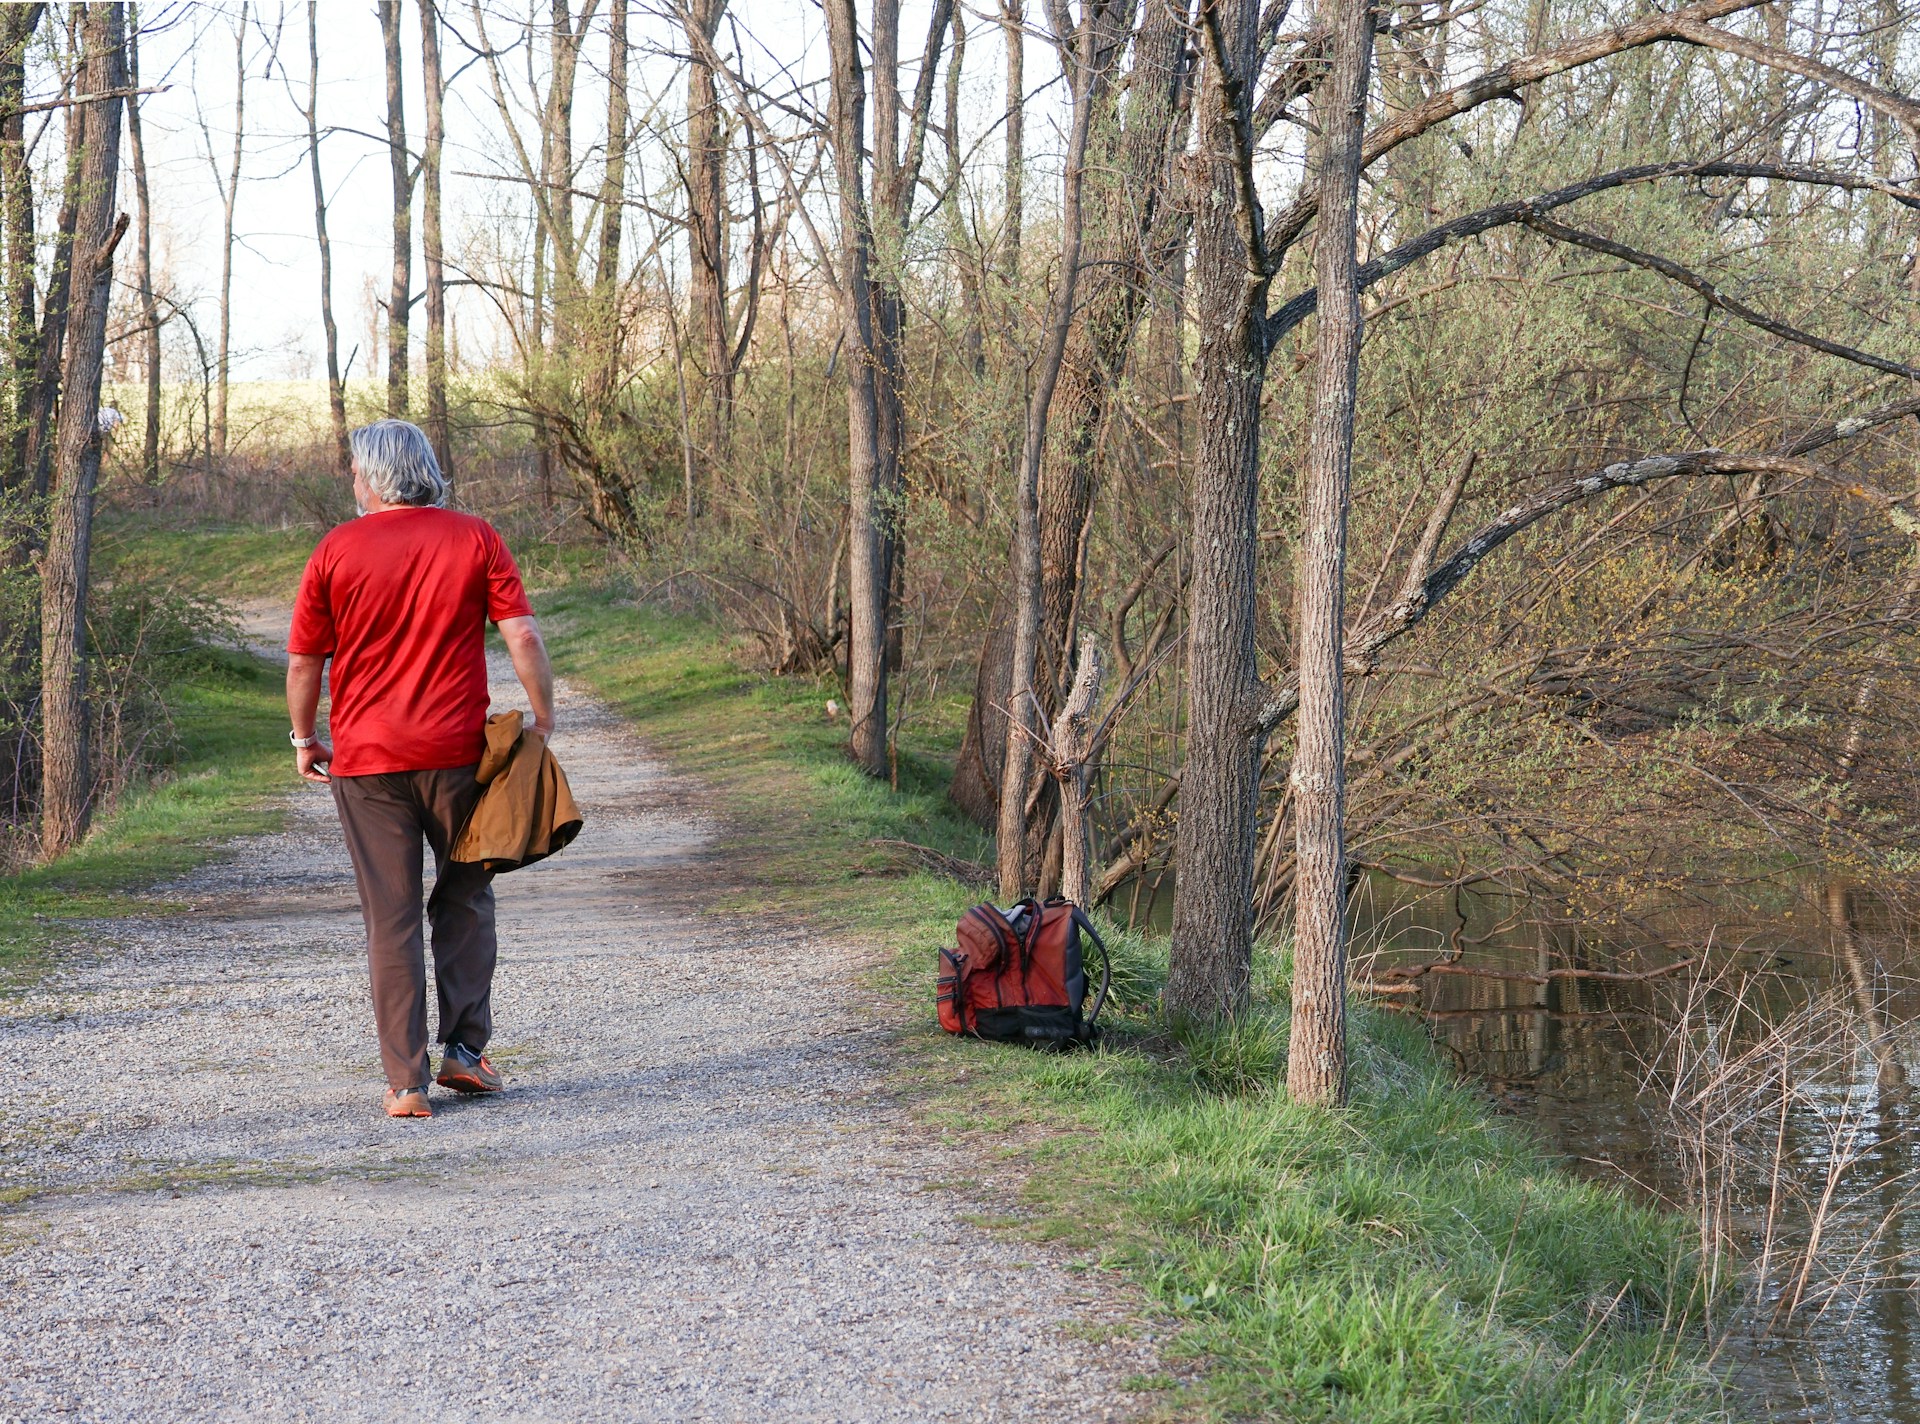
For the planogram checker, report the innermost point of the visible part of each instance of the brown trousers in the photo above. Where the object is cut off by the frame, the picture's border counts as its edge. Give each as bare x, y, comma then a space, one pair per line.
385, 818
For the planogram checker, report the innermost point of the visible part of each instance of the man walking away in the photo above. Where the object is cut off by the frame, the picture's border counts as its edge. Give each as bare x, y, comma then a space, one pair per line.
399, 599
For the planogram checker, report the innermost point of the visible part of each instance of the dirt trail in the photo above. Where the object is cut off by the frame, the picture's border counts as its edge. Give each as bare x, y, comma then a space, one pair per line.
694, 1202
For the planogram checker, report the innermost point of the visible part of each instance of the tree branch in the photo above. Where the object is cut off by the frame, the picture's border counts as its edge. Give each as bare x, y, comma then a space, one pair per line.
1674, 272
1498, 83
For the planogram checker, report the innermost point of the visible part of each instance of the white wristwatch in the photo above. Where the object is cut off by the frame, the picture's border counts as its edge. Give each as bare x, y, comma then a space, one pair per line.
304, 742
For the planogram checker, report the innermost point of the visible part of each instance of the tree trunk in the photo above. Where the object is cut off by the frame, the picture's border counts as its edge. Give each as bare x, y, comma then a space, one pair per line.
336, 388
1026, 718
867, 592
1317, 1055
230, 196
143, 260
400, 285
613, 185
1073, 753
433, 85
67, 776
1211, 955
17, 24
1013, 18
565, 40
707, 237
872, 241
50, 347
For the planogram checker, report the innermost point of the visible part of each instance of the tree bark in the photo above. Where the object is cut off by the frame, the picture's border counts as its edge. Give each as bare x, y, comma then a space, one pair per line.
433, 87
1073, 755
230, 197
708, 235
67, 776
50, 346
17, 24
1211, 962
872, 241
613, 184
336, 388
399, 170
1317, 1055
867, 594
1013, 20
143, 260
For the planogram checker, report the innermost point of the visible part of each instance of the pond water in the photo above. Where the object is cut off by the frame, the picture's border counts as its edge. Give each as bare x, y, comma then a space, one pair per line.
1760, 1089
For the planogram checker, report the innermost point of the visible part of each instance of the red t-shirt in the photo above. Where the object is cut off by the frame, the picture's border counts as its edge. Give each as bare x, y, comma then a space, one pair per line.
400, 600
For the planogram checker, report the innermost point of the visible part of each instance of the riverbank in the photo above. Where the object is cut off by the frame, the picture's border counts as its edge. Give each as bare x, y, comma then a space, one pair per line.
1411, 1258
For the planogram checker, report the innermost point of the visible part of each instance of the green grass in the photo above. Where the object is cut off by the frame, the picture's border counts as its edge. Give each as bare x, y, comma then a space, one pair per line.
1412, 1258
220, 563
230, 727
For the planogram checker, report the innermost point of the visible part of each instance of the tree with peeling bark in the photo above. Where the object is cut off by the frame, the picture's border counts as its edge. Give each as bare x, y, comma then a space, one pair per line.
67, 766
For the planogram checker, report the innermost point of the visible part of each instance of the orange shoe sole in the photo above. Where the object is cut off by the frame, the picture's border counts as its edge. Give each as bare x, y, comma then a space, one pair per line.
461, 1083
399, 1105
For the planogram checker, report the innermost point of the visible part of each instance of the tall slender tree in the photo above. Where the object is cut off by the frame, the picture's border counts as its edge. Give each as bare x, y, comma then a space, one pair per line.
1317, 1057
336, 388
708, 234
143, 259
433, 89
229, 189
17, 25
400, 178
67, 768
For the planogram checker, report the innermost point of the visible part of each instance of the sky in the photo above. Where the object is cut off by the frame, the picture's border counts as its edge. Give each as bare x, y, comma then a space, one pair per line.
188, 54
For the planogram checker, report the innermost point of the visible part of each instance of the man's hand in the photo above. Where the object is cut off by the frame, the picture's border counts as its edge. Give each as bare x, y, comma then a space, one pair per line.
529, 654
311, 762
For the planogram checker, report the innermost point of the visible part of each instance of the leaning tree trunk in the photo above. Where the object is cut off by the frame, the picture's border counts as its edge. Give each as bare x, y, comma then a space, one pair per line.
1211, 955
400, 175
433, 85
67, 774
1317, 1055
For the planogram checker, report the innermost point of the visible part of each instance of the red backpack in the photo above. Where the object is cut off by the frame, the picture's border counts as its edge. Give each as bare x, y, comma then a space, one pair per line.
1017, 976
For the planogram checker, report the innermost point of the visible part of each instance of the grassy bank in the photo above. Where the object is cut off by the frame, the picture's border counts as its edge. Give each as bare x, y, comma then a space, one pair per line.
229, 729
1412, 1258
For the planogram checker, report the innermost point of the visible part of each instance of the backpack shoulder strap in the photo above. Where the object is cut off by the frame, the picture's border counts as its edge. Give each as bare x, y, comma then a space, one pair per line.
1081, 919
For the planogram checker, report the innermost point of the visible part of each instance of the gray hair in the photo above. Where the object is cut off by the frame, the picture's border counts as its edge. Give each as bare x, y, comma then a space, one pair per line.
397, 463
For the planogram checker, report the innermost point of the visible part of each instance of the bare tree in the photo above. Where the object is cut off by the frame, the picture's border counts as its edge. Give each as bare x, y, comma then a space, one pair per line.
1317, 1056
708, 235
228, 186
873, 227
143, 259
613, 183
1087, 60
336, 388
400, 174
433, 85
67, 772
1013, 29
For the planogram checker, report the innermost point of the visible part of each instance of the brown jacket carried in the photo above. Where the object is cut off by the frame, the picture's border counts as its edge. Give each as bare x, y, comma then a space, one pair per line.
526, 812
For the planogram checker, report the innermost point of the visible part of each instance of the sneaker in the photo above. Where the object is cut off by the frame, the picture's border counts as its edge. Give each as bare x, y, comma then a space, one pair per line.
408, 1102
465, 1071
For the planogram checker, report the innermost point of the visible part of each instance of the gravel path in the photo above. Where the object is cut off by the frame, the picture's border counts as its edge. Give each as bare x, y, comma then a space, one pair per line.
694, 1201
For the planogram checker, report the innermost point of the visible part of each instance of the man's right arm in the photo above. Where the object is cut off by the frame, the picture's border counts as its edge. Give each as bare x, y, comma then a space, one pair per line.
303, 710
530, 663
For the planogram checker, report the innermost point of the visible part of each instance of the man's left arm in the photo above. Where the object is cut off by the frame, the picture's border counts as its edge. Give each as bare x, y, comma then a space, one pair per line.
530, 663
